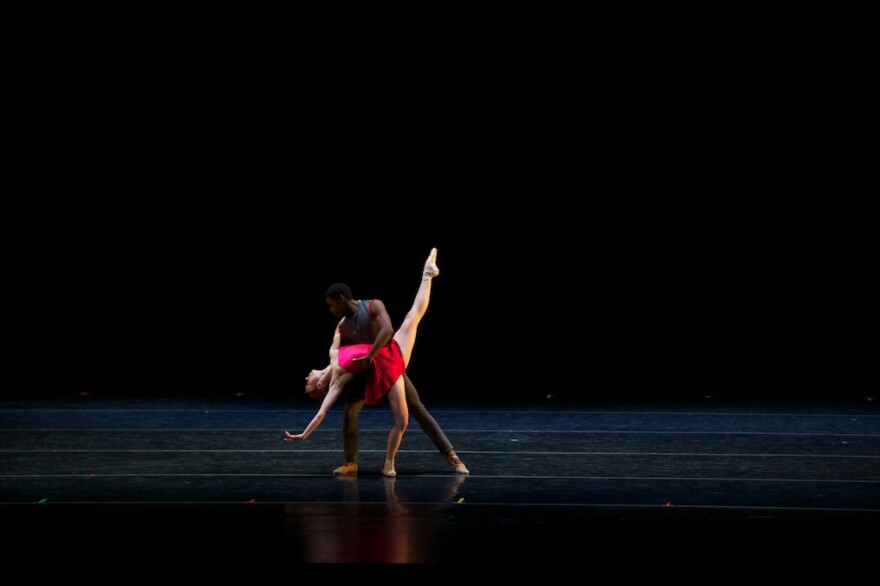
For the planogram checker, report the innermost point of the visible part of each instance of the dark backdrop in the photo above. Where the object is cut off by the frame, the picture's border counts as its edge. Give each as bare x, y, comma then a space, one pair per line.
665, 218
540, 298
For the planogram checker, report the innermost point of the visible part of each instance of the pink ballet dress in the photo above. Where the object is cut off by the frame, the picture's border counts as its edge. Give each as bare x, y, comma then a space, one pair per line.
386, 368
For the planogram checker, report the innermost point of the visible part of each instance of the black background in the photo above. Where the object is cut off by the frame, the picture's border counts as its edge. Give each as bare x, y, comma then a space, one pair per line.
580, 298
646, 222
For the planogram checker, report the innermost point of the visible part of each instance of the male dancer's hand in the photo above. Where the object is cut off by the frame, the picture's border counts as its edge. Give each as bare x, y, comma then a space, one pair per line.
363, 361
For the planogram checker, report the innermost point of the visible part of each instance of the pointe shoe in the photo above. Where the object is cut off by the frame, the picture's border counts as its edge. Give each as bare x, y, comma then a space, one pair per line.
388, 469
457, 465
347, 469
431, 269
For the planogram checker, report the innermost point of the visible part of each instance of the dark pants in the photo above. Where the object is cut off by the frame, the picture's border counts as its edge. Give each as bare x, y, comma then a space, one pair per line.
354, 404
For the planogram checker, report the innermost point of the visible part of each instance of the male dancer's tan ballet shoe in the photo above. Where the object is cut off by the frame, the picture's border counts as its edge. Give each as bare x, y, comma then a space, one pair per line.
347, 469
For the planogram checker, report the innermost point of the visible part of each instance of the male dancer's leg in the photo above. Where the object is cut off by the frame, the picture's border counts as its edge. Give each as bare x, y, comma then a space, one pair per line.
354, 404
429, 425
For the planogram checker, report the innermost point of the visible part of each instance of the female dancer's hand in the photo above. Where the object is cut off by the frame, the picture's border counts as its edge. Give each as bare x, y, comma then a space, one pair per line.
288, 437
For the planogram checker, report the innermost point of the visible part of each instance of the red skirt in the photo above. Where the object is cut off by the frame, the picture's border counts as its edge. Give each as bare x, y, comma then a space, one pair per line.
386, 368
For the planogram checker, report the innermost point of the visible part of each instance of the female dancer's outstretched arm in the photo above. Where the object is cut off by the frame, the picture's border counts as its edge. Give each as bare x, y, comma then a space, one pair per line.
316, 381
337, 381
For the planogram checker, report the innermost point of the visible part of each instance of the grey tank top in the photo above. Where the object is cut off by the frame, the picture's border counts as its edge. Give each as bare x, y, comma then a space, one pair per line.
359, 327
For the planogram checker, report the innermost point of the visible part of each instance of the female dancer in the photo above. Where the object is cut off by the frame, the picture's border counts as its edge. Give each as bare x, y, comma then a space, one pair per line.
385, 374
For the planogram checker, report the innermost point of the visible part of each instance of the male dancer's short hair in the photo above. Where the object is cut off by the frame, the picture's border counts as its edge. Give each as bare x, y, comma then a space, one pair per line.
337, 290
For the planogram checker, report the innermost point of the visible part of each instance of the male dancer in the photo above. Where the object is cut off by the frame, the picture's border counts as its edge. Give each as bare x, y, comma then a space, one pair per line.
367, 322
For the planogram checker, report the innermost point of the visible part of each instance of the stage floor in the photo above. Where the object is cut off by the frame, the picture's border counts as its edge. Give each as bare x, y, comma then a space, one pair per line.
209, 485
